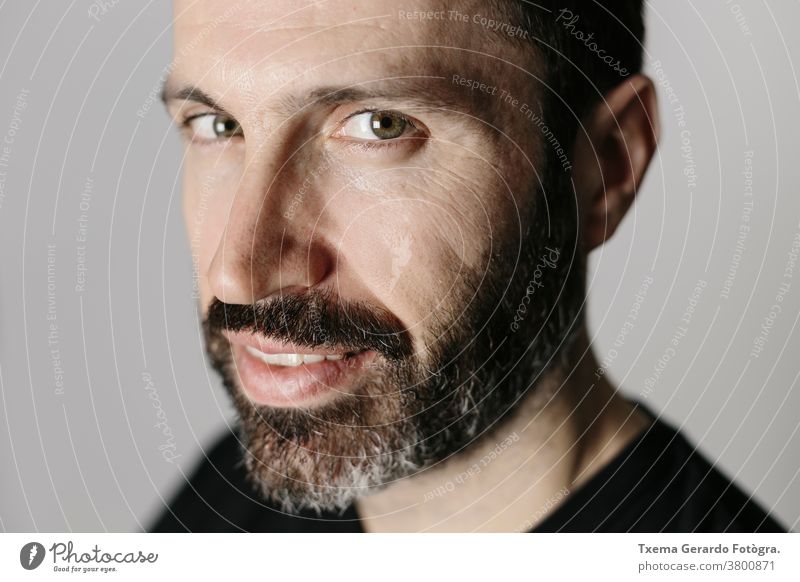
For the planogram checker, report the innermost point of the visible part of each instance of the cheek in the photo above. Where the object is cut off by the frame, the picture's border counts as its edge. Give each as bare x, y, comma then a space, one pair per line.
412, 237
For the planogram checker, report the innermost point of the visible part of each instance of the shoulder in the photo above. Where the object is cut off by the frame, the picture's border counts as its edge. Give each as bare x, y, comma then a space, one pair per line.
660, 483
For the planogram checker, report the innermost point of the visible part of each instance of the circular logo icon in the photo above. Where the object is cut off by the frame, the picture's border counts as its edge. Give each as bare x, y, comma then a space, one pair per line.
31, 555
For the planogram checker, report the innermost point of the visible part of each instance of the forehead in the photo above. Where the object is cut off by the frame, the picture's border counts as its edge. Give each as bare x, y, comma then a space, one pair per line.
270, 43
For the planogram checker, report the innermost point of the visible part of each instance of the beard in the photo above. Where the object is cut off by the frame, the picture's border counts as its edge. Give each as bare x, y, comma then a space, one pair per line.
410, 408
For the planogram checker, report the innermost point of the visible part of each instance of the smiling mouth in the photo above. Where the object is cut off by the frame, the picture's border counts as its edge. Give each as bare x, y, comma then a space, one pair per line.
285, 375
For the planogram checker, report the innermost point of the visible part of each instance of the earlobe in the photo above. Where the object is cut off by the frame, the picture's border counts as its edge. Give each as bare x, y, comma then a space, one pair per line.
612, 153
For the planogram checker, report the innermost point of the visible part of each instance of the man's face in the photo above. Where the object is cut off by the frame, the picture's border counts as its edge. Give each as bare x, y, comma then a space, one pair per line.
361, 221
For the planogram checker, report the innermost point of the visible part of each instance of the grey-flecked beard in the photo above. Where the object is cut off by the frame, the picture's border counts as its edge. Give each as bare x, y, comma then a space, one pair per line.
482, 359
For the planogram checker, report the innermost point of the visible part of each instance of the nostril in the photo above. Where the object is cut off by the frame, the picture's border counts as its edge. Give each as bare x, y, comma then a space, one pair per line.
237, 277
318, 265
232, 280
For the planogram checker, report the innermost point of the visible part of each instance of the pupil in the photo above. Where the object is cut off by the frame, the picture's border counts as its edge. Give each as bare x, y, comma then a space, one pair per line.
224, 126
387, 125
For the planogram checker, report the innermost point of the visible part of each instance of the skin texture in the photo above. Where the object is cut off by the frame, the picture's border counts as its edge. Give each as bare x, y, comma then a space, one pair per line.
296, 205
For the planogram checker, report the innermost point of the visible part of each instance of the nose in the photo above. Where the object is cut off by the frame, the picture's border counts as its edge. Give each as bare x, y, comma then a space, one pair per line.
268, 246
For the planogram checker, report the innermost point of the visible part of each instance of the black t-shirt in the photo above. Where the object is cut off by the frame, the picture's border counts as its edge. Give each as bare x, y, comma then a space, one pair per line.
658, 483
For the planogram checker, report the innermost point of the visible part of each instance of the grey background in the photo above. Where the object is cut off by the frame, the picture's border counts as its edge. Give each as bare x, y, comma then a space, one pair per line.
89, 458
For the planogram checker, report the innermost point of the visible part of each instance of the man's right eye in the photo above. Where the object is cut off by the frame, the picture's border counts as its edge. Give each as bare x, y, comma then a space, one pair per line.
208, 127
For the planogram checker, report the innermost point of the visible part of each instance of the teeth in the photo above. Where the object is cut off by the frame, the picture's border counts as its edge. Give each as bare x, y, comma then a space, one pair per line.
291, 359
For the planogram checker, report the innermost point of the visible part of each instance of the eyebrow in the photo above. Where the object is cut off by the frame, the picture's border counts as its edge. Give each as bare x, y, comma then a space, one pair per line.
189, 93
427, 91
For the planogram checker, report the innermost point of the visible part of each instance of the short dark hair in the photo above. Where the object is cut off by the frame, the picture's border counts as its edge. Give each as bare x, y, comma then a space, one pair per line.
581, 60
587, 47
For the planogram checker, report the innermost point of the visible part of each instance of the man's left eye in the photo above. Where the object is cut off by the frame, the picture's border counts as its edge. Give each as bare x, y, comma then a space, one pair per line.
213, 126
375, 126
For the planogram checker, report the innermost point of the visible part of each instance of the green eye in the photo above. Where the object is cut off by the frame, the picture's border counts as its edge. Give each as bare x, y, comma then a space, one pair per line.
376, 126
387, 125
213, 127
226, 126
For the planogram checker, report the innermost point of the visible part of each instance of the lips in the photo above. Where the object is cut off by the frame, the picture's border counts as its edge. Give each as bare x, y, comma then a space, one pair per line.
286, 375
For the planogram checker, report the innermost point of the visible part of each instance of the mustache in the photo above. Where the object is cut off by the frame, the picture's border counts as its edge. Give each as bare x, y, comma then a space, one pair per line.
315, 319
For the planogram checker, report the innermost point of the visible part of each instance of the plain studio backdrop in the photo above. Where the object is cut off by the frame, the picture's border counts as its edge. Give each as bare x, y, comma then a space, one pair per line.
99, 343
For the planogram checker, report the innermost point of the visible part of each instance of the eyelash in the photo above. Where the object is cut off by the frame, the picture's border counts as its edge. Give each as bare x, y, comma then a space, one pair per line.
373, 145
185, 126
408, 120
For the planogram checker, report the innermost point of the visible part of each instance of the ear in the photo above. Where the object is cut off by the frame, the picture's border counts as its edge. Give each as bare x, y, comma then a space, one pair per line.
611, 154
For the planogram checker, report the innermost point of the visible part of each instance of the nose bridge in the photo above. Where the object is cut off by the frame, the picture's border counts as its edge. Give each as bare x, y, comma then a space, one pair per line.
268, 246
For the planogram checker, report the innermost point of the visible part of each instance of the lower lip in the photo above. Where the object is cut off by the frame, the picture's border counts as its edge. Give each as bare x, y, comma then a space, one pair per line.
295, 386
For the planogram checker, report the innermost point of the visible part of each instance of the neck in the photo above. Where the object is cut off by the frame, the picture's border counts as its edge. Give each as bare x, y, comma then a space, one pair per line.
568, 428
